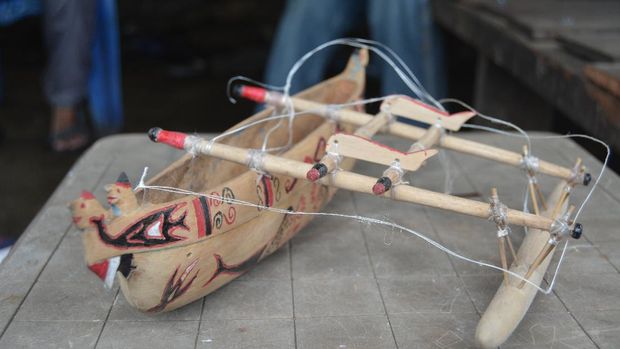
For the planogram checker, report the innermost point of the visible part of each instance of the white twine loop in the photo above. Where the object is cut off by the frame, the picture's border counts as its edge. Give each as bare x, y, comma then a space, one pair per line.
576, 175
254, 161
331, 112
560, 228
141, 184
498, 213
395, 166
334, 155
530, 163
503, 232
195, 146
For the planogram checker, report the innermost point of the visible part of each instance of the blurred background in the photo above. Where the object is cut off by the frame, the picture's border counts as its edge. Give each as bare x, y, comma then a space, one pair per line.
545, 65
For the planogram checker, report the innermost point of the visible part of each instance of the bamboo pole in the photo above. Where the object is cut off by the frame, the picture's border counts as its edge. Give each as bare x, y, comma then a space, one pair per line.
342, 179
408, 131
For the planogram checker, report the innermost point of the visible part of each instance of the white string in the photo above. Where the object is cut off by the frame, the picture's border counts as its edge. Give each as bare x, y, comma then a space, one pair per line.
362, 219
310, 112
378, 48
491, 119
407, 77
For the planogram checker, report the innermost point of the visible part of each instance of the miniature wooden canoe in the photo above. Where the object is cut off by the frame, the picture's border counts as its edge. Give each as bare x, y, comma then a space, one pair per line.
167, 250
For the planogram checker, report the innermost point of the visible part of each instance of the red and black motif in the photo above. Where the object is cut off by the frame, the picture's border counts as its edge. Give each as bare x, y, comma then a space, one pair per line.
156, 228
265, 192
234, 269
175, 288
203, 216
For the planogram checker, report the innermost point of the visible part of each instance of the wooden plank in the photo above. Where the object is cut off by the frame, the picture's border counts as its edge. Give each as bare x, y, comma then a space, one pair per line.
605, 75
547, 18
595, 46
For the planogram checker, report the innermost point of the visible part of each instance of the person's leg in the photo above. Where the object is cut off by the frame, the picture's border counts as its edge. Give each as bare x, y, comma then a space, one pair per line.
68, 30
304, 25
407, 27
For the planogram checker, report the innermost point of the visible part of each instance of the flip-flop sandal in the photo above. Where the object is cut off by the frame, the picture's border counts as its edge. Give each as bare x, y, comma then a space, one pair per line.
71, 139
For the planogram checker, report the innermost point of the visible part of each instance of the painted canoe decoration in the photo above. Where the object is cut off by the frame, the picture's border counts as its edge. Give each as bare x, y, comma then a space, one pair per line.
240, 203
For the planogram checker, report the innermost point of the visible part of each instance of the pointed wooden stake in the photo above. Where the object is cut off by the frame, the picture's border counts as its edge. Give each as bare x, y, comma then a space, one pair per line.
551, 244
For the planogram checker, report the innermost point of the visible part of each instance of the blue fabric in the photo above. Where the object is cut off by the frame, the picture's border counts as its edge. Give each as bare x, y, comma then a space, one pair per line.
13, 10
105, 99
405, 26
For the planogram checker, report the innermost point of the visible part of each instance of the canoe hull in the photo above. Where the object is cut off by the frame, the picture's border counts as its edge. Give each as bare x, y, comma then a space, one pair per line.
174, 249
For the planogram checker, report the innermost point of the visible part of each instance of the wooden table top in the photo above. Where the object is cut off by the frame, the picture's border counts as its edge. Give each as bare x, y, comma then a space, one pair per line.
338, 284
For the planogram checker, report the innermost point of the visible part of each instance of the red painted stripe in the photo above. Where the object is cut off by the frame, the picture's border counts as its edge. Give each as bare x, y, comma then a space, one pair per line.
200, 219
173, 139
268, 191
256, 94
424, 105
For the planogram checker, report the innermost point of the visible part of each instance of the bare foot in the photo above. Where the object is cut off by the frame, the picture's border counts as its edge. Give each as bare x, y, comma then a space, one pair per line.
66, 133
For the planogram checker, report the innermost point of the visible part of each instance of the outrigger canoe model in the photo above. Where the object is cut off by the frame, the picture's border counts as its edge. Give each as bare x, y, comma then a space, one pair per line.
167, 249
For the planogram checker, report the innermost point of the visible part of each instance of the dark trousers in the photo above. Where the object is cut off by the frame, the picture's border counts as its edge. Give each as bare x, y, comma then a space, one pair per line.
68, 30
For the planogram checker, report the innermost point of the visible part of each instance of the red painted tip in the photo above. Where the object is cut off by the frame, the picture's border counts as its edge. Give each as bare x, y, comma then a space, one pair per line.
378, 189
256, 94
87, 195
173, 139
101, 269
313, 175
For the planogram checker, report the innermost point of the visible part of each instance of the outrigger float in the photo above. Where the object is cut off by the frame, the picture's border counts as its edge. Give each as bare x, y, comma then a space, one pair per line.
172, 249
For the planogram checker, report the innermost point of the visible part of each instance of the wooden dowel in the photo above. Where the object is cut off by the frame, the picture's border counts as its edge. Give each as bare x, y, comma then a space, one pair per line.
449, 142
373, 126
533, 196
561, 200
539, 259
543, 202
512, 250
428, 140
502, 256
354, 181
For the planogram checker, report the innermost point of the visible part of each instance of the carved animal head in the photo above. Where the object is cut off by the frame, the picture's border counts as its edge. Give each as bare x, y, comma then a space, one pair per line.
121, 194
84, 208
